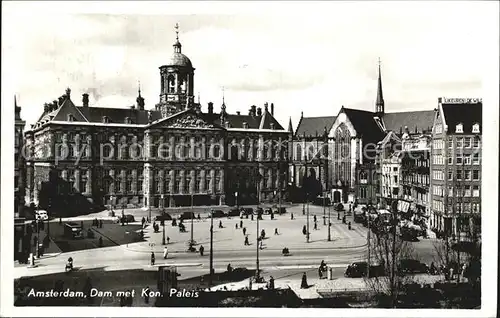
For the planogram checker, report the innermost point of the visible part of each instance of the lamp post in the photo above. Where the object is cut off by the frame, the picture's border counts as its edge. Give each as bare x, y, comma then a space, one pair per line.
163, 218
211, 247
324, 208
236, 197
307, 227
257, 273
329, 223
192, 220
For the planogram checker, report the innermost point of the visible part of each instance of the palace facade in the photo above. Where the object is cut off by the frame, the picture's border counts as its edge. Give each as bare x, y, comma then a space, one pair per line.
177, 154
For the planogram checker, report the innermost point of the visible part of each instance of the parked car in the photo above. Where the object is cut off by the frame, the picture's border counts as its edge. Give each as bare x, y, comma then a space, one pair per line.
188, 216
412, 266
245, 211
277, 210
163, 217
268, 210
217, 214
258, 211
41, 215
359, 217
126, 218
234, 212
338, 207
359, 269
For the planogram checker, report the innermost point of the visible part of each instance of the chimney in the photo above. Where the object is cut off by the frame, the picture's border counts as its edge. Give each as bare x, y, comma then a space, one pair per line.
61, 100
238, 113
85, 100
440, 100
259, 111
210, 108
253, 111
272, 109
407, 130
54, 106
245, 125
68, 93
46, 108
265, 106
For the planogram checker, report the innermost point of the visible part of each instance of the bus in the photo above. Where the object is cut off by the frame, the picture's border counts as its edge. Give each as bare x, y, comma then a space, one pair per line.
73, 230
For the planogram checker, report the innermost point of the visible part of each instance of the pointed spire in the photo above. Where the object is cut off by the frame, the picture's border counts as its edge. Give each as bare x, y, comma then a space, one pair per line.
140, 99
15, 101
290, 127
223, 107
177, 44
379, 105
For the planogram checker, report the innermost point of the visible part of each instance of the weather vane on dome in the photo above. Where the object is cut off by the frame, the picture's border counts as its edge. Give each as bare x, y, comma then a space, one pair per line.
177, 31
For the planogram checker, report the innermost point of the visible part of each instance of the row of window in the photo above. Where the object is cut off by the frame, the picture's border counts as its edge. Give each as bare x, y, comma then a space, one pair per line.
437, 205
464, 142
467, 207
465, 192
438, 144
437, 175
466, 175
466, 159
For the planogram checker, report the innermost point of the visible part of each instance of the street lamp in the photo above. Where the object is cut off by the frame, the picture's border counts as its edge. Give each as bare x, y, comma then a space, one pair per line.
257, 273
211, 247
236, 197
192, 220
324, 208
329, 223
163, 218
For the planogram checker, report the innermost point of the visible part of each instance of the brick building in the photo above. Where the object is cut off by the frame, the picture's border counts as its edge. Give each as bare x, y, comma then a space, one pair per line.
456, 168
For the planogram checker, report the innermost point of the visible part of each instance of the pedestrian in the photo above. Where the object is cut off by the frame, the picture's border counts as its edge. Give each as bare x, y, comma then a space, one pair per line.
199, 216
271, 283
152, 258
272, 216
129, 298
291, 216
168, 240
60, 221
165, 252
315, 219
261, 244
143, 221
315, 225
304, 230
246, 240
202, 250
263, 234
236, 225
244, 231
100, 224
349, 225
251, 216
241, 224
220, 224
229, 268
303, 283
174, 222
146, 295
320, 272
276, 231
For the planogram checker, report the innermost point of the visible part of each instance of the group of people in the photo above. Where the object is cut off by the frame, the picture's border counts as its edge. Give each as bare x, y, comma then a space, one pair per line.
97, 223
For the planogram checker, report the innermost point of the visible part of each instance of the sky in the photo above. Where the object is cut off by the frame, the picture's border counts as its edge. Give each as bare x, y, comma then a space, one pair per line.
311, 59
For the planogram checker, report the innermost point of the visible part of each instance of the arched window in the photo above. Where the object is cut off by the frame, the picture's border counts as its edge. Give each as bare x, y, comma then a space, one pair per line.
298, 152
171, 84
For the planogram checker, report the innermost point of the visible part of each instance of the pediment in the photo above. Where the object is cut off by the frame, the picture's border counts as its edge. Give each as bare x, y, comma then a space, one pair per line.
184, 120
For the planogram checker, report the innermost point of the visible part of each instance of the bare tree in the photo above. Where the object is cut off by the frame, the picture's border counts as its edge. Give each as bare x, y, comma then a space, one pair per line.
386, 278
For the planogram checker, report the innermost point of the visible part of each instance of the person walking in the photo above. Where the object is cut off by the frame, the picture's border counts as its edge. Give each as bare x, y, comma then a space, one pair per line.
220, 224
315, 225
276, 231
143, 221
320, 272
271, 283
100, 224
246, 240
236, 226
303, 283
146, 295
304, 230
244, 231
241, 224
165, 252
202, 250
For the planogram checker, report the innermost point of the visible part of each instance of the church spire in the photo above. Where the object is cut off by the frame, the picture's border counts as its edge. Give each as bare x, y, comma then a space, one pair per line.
177, 44
140, 99
379, 105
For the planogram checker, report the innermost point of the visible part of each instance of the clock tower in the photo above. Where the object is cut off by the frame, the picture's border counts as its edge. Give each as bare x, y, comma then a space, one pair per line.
177, 82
